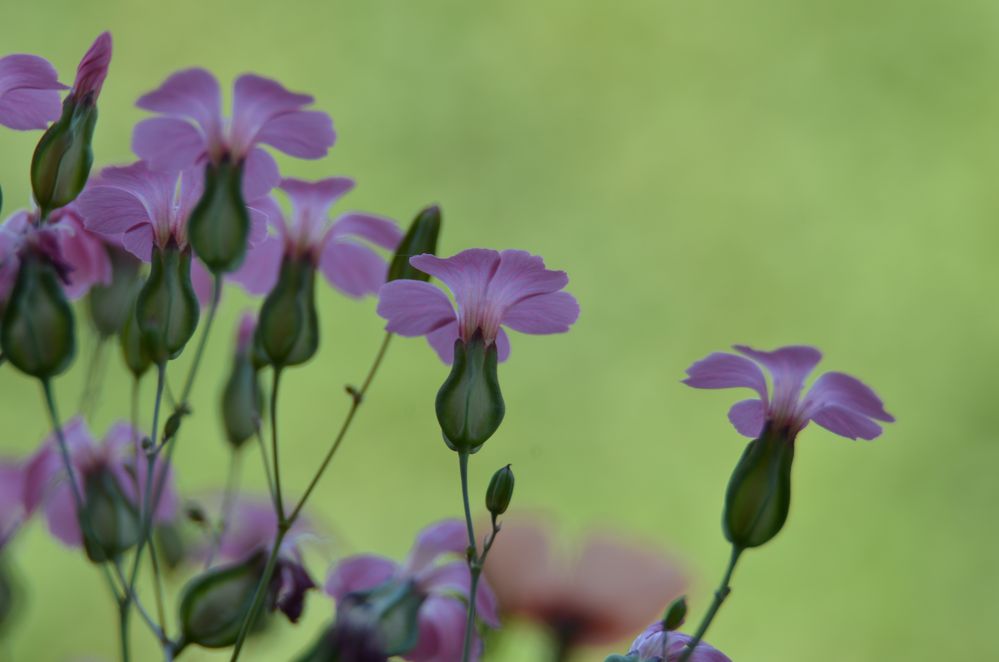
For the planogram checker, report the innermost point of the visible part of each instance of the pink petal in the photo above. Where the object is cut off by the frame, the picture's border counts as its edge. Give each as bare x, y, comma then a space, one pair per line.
355, 270
203, 283
442, 632
257, 100
442, 340
12, 511
722, 370
466, 274
502, 346
415, 308
259, 272
846, 423
379, 231
29, 97
138, 241
544, 313
677, 643
312, 200
789, 366
836, 388
455, 578
520, 276
260, 175
60, 514
39, 471
359, 573
445, 537
110, 211
168, 143
83, 252
748, 417
306, 134
189, 94
93, 69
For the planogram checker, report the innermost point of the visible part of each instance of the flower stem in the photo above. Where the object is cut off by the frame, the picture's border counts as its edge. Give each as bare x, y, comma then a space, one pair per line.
474, 563
261, 591
147, 508
723, 590
231, 487
274, 445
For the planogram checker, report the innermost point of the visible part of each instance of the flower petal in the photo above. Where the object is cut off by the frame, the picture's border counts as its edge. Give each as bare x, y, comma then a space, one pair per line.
379, 231
723, 370
541, 314
306, 134
192, 94
456, 579
202, 281
442, 632
259, 272
260, 175
465, 274
677, 643
789, 366
355, 270
60, 515
520, 276
138, 241
442, 340
84, 252
29, 97
748, 417
846, 423
167, 143
257, 100
359, 573
415, 308
446, 537
311, 202
93, 69
837, 388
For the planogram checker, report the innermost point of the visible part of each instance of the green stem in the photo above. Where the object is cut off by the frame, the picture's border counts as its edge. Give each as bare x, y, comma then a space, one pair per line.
723, 590
231, 487
147, 507
261, 591
123, 611
274, 445
267, 467
474, 563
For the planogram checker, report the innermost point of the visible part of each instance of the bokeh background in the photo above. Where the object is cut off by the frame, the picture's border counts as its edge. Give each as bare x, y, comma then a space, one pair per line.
769, 173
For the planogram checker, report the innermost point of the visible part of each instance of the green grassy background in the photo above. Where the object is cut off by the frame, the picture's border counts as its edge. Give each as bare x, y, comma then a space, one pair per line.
771, 172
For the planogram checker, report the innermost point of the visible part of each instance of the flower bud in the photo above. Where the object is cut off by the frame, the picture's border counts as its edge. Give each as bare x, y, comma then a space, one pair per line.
759, 491
288, 327
110, 305
242, 400
622, 658
383, 620
61, 162
112, 524
353, 641
470, 405
219, 225
214, 604
167, 307
676, 613
499, 492
132, 348
38, 335
420, 238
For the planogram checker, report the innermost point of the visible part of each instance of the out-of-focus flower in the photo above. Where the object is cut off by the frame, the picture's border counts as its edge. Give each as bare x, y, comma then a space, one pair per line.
336, 247
648, 647
838, 402
609, 589
29, 92
443, 587
118, 457
11, 499
193, 131
242, 397
492, 289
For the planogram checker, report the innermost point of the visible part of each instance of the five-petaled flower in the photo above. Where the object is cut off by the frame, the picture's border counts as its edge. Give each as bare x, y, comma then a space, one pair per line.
838, 402
192, 129
445, 585
491, 288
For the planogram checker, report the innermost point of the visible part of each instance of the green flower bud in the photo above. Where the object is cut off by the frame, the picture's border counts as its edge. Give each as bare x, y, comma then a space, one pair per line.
622, 658
420, 238
219, 225
61, 162
288, 327
114, 525
214, 604
242, 401
170, 543
470, 405
676, 613
500, 491
110, 305
387, 615
132, 348
167, 308
759, 492
38, 335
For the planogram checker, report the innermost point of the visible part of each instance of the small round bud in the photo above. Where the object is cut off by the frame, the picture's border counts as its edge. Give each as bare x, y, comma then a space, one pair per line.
759, 492
219, 225
500, 491
133, 350
676, 613
172, 425
420, 238
242, 401
470, 404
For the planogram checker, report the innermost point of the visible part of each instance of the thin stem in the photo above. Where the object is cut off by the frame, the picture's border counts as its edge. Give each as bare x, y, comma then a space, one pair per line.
147, 507
157, 585
474, 563
723, 590
357, 396
260, 593
267, 467
231, 487
274, 445
95, 372
131, 598
199, 352
123, 612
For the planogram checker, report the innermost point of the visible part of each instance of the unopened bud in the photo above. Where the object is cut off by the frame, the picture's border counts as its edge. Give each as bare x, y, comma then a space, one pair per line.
242, 401
470, 405
420, 238
500, 491
110, 305
214, 604
759, 491
172, 425
288, 328
132, 348
219, 225
111, 523
62, 160
387, 615
676, 613
167, 307
38, 335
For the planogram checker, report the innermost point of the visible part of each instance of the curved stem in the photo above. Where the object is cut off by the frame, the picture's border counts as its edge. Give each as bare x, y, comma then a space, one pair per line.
260, 593
474, 563
274, 445
147, 507
723, 590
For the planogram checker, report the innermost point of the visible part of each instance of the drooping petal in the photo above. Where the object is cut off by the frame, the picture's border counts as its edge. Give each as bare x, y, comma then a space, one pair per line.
442, 632
355, 270
502, 346
29, 92
189, 94
259, 272
442, 340
846, 423
455, 578
93, 69
444, 537
748, 417
554, 312
256, 101
466, 274
520, 276
723, 370
307, 134
168, 143
260, 174
379, 231
359, 573
203, 283
789, 366
293, 582
415, 308
111, 211
138, 241
837, 388
677, 643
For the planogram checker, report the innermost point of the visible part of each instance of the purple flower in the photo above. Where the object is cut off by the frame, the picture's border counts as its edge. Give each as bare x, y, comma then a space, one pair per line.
445, 585
251, 529
46, 484
29, 92
92, 71
492, 289
840, 403
79, 257
336, 247
11, 499
192, 130
648, 647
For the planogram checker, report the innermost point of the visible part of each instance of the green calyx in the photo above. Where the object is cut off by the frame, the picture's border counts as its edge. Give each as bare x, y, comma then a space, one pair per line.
62, 160
288, 326
219, 226
759, 492
469, 403
167, 308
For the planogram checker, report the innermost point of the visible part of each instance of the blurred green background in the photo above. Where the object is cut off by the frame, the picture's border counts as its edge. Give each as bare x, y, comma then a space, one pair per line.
769, 173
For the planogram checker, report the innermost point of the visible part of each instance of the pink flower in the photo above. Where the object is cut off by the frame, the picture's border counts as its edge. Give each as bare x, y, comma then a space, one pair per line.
29, 92
336, 247
92, 71
192, 130
78, 256
604, 591
491, 289
46, 484
840, 403
446, 586
11, 502
648, 647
